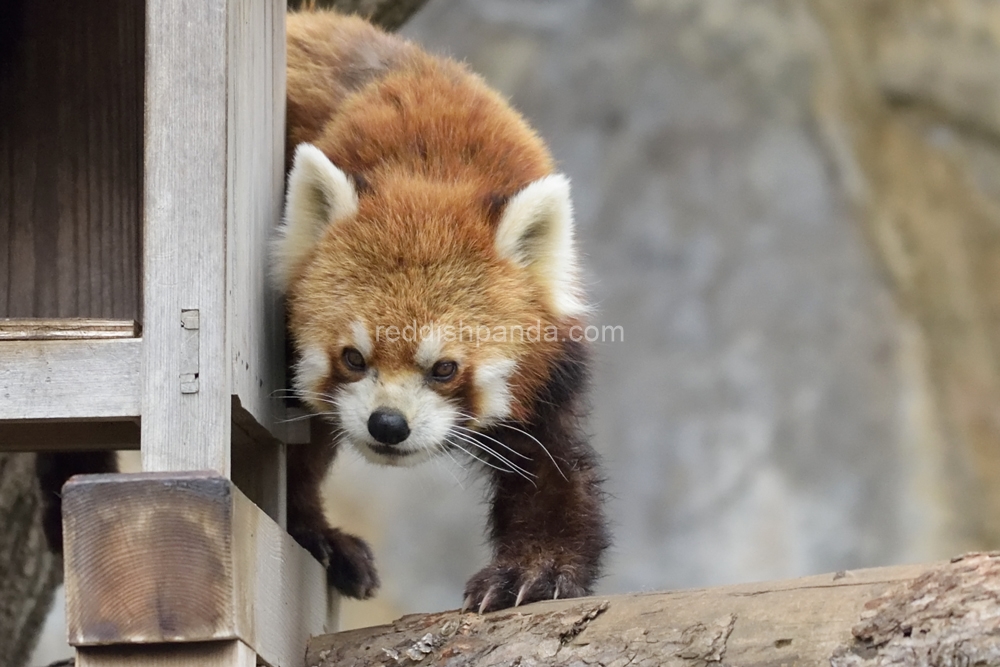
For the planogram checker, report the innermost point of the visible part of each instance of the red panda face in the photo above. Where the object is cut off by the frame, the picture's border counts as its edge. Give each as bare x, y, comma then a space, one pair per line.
416, 317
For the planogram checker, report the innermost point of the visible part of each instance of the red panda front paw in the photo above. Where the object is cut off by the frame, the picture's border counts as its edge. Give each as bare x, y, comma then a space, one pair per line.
502, 585
349, 562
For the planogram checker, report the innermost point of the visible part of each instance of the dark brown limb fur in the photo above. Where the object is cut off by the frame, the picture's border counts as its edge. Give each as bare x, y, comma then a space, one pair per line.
53, 470
349, 562
548, 532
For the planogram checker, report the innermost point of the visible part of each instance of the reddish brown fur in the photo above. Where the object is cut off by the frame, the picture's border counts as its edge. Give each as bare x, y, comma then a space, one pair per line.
438, 154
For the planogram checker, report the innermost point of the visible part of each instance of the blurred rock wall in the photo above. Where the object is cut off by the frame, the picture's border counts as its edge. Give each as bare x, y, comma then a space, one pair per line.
791, 208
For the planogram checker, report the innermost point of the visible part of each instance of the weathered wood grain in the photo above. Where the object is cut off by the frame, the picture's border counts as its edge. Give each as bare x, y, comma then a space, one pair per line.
70, 161
213, 654
175, 557
68, 328
797, 622
185, 407
256, 128
946, 617
70, 379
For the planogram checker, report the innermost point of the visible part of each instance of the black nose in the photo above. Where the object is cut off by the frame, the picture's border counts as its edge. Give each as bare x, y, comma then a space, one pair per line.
388, 426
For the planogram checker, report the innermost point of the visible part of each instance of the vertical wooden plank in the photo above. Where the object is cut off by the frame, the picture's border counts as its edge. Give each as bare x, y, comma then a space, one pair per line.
70, 172
208, 654
256, 167
185, 267
256, 185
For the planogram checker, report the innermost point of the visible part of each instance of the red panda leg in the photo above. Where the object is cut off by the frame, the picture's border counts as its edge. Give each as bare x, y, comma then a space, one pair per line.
349, 563
53, 469
548, 532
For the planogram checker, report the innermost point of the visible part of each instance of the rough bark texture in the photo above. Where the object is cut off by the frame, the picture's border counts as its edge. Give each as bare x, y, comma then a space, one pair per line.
390, 14
912, 615
29, 574
945, 618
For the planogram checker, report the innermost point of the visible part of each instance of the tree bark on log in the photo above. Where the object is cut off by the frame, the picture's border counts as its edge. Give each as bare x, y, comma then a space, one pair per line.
937, 615
29, 573
388, 14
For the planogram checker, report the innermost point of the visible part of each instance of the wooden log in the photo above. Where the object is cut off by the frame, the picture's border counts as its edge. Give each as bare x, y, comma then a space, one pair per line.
943, 614
183, 558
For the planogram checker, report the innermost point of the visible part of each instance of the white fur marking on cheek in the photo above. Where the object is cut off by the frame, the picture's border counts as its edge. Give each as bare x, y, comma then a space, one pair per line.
536, 231
318, 194
492, 382
311, 371
362, 339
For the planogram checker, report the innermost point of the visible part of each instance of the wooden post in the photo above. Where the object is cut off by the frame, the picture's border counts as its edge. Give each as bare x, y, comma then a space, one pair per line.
169, 556
156, 558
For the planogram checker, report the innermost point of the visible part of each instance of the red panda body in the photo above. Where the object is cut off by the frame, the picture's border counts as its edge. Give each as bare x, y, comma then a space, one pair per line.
428, 265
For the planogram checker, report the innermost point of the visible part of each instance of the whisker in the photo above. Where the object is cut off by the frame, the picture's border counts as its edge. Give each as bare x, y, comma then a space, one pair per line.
486, 463
502, 444
492, 452
513, 467
544, 448
308, 415
442, 464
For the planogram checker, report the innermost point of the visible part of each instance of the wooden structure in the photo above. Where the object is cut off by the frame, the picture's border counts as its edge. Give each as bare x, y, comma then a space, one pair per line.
141, 172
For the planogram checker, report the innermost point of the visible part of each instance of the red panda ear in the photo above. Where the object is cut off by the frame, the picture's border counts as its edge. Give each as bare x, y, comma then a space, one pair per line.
536, 232
319, 194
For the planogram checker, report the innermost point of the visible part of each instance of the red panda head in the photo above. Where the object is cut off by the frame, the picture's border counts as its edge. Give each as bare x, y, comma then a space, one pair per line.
418, 310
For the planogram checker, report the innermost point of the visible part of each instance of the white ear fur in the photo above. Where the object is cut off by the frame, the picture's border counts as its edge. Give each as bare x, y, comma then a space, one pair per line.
536, 231
319, 194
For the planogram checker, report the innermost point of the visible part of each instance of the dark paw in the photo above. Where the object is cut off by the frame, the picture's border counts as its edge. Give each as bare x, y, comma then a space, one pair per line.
349, 563
507, 585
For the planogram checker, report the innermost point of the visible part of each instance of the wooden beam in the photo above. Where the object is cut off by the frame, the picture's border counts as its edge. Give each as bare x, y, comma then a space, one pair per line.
70, 379
186, 352
804, 621
184, 557
211, 654
255, 195
68, 328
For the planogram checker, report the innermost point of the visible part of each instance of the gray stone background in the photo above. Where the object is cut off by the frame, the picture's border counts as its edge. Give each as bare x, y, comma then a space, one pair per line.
792, 209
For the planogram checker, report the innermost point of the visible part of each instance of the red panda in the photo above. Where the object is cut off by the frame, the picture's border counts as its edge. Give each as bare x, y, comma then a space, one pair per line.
434, 305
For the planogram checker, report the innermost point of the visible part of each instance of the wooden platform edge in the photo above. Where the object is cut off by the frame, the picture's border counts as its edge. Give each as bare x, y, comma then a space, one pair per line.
858, 618
184, 558
70, 379
67, 328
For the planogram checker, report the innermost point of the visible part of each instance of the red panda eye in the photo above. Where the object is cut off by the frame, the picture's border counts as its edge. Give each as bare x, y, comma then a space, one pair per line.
444, 370
353, 359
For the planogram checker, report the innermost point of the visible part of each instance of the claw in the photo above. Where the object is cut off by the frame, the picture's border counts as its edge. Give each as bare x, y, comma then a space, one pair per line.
556, 596
486, 601
467, 605
520, 595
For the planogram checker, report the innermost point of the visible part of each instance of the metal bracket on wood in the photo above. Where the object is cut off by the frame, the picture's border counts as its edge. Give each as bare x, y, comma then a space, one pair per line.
191, 324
